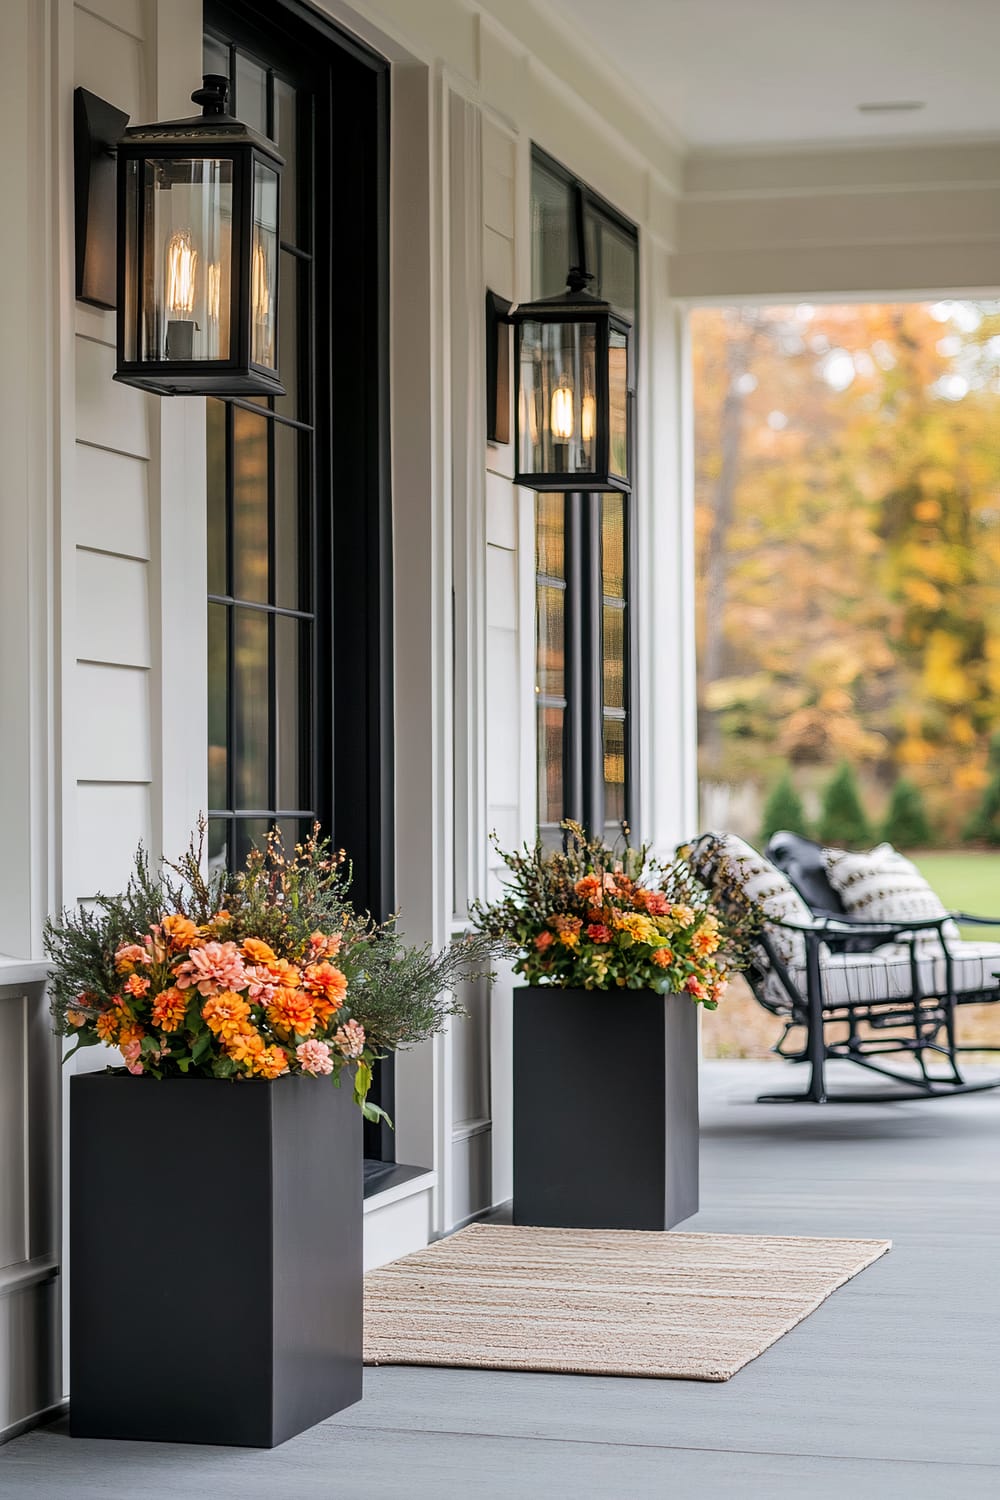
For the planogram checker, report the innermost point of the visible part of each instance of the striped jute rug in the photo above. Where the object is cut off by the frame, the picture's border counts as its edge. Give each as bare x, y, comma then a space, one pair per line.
601, 1302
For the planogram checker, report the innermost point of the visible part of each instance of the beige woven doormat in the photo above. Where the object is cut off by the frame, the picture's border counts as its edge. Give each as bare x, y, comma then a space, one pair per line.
601, 1302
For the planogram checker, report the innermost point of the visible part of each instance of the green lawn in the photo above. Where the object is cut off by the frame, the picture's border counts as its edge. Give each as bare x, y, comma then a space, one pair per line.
965, 881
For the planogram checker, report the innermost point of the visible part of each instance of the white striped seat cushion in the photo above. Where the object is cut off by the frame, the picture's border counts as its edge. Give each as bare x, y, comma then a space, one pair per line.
866, 978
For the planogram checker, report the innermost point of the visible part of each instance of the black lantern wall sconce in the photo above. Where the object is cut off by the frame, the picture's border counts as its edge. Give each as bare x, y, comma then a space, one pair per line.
195, 236
572, 407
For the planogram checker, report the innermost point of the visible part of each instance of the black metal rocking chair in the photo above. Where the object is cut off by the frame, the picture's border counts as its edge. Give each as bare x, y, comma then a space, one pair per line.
892, 989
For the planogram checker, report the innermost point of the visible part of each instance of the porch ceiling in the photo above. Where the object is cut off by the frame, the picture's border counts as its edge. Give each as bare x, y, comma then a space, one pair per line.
726, 73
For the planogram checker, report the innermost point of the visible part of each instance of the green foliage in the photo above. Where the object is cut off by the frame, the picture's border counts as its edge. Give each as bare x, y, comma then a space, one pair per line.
783, 810
906, 825
842, 821
984, 824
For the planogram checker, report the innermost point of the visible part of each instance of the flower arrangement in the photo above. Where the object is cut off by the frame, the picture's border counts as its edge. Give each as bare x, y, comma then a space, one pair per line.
259, 974
590, 917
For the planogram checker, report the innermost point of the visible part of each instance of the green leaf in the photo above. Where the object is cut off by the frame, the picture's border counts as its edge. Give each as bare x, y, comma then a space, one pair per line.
375, 1112
201, 1048
83, 1039
183, 1063
362, 1081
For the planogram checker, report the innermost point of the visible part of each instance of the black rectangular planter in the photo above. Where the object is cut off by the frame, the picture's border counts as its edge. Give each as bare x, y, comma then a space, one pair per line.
605, 1108
215, 1257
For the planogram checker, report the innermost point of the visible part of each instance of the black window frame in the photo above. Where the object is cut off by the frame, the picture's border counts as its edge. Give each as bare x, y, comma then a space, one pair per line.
345, 357
585, 712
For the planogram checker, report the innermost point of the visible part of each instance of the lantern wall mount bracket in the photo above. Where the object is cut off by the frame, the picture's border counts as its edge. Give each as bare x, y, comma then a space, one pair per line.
97, 128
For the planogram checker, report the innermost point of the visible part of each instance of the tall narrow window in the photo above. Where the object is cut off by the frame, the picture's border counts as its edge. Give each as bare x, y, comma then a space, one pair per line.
584, 555
268, 674
299, 511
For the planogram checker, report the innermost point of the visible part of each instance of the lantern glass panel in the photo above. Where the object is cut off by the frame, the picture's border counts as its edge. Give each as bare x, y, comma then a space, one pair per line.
264, 266
618, 402
186, 234
558, 396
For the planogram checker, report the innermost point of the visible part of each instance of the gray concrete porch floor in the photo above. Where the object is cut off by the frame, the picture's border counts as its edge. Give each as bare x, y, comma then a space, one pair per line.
892, 1388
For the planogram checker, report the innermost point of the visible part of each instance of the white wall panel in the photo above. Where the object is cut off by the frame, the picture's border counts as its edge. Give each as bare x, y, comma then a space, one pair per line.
501, 518
112, 819
110, 415
112, 609
109, 63
113, 702
13, 1141
112, 501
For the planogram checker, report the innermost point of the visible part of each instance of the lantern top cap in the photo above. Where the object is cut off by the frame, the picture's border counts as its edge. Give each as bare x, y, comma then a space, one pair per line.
213, 127
574, 303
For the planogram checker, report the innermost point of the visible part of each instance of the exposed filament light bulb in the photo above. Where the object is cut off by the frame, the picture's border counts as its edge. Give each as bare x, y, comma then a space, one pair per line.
562, 410
213, 289
182, 270
588, 419
260, 287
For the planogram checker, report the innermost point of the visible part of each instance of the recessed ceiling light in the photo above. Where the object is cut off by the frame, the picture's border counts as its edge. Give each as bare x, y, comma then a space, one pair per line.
892, 106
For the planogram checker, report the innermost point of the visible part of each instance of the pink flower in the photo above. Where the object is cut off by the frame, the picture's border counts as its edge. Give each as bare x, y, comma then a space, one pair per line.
544, 940
262, 986
656, 904
598, 933
314, 1057
128, 955
132, 1052
211, 968
696, 988
350, 1038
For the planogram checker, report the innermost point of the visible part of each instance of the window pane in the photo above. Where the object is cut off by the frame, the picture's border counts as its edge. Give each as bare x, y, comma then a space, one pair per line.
614, 657
552, 247
218, 706
614, 770
251, 94
618, 403
618, 263
550, 765
557, 393
292, 708
251, 687
287, 561
613, 545
218, 843
249, 833
550, 529
264, 265
216, 57
284, 129
551, 650
215, 414
288, 350
250, 519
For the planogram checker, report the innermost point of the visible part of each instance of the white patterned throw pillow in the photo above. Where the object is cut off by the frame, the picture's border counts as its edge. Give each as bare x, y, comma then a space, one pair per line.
884, 886
770, 890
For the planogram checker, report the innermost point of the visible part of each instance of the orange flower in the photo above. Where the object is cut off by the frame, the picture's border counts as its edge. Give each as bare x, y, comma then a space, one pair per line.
284, 973
662, 957
137, 985
258, 951
291, 1013
169, 1009
567, 924
271, 1062
181, 932
544, 940
589, 888
246, 1046
225, 1014
75, 1017
107, 1025
129, 1031
322, 946
327, 985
